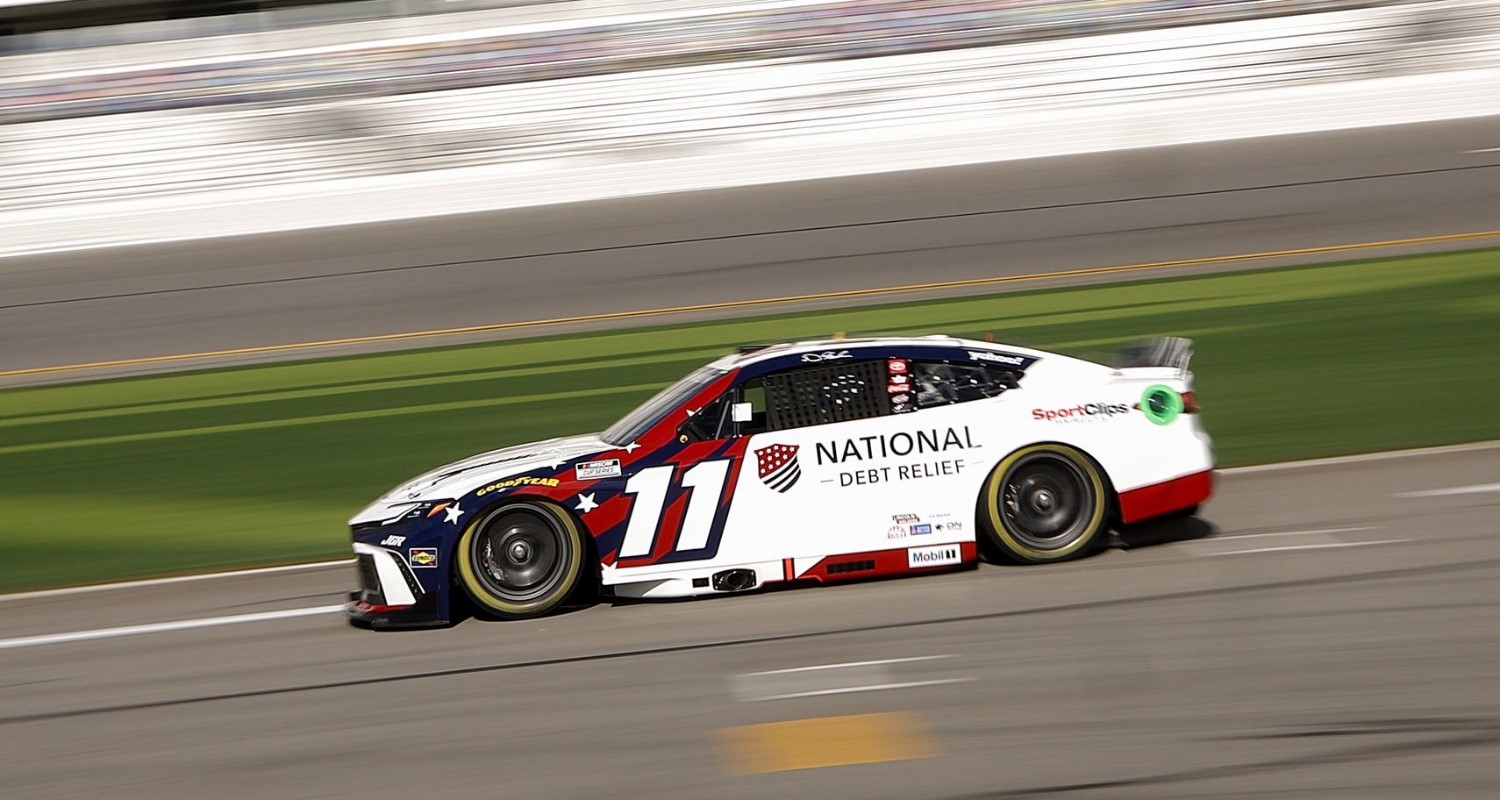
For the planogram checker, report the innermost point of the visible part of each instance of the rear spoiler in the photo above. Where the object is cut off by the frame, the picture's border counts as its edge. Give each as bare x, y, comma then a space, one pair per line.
1169, 351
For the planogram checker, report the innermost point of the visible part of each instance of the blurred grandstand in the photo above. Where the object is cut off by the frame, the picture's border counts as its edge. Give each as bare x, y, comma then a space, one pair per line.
166, 102
61, 65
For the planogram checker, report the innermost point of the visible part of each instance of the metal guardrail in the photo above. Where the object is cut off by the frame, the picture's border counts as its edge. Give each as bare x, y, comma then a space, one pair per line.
622, 115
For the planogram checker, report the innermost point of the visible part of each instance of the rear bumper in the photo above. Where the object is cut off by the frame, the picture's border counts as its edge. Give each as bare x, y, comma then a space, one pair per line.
1167, 497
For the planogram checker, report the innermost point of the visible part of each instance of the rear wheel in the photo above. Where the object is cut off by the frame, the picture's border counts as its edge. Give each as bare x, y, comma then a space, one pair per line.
1045, 503
521, 560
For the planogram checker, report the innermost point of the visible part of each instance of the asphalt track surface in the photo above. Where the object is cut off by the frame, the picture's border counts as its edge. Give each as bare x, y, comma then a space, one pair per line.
1320, 633
1016, 218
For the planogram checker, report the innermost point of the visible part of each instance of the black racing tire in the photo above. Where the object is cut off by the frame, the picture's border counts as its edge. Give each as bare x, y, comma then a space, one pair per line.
521, 560
1044, 503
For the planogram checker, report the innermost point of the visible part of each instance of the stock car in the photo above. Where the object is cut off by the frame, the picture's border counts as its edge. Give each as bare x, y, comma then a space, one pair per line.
811, 462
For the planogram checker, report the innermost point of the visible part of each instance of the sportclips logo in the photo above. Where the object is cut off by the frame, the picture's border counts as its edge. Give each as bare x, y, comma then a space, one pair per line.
1083, 412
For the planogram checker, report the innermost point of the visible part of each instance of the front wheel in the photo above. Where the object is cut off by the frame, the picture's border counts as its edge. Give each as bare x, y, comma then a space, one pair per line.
521, 560
1044, 503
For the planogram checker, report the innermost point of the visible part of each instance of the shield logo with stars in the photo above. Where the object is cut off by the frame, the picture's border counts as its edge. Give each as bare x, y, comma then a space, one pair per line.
778, 466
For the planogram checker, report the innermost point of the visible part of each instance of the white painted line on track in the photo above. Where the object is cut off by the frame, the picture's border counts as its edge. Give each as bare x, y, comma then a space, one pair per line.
165, 627
1363, 457
1328, 546
874, 687
1288, 533
849, 664
822, 680
1480, 488
100, 587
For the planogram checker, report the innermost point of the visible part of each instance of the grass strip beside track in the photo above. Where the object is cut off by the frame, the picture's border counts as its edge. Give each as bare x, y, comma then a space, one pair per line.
259, 465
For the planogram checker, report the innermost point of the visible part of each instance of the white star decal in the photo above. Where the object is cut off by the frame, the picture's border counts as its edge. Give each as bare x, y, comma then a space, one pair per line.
632, 447
452, 513
555, 461
692, 411
586, 503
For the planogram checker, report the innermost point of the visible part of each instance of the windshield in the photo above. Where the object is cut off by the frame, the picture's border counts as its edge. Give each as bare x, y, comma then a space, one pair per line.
633, 425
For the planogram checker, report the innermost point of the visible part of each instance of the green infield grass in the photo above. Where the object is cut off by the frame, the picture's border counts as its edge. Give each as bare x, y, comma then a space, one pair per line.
262, 465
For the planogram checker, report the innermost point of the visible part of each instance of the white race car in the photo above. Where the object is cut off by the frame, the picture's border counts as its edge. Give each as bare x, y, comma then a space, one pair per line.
811, 462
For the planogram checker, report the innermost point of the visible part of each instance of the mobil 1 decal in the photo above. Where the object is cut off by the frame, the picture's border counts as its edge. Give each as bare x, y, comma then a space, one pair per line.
894, 457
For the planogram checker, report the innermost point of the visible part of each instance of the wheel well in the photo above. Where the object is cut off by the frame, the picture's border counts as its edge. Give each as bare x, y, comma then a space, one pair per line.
591, 548
1112, 497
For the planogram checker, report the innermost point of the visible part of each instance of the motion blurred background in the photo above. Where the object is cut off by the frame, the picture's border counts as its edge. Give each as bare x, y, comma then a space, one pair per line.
261, 260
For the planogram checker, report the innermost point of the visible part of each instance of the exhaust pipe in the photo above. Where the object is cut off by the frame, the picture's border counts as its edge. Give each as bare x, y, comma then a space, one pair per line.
734, 580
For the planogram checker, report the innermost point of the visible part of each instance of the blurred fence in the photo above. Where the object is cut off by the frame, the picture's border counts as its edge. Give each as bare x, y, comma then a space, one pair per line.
571, 40
124, 156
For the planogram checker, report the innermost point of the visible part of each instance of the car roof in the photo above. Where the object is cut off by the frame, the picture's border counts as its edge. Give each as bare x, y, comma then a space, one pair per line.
749, 356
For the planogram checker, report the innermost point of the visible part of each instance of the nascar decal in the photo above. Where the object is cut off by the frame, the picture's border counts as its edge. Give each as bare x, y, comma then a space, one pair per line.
778, 466
593, 470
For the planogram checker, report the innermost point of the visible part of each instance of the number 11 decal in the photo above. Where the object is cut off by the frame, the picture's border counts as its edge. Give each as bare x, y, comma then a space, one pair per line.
704, 480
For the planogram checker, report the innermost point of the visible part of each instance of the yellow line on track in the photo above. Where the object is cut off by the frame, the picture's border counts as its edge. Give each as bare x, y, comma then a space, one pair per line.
826, 742
769, 301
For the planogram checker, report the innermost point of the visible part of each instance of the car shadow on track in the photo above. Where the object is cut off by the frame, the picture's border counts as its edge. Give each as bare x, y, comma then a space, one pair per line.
1166, 531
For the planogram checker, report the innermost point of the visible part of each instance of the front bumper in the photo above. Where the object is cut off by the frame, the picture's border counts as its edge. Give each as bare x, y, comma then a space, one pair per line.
390, 595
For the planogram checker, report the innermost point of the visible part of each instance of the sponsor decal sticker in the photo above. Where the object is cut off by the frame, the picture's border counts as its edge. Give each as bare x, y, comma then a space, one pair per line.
1161, 404
895, 445
997, 358
896, 367
593, 470
899, 380
905, 519
941, 555
951, 527
898, 399
393, 541
500, 486
1083, 412
918, 530
896, 532
934, 441
826, 355
778, 466
423, 557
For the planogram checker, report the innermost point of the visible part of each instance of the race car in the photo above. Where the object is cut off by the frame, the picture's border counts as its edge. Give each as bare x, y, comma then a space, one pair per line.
812, 462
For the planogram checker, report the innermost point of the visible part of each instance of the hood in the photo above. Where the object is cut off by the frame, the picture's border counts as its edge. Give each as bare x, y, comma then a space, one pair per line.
461, 477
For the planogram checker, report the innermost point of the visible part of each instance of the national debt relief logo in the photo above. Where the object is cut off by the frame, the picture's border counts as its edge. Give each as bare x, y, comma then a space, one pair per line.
778, 466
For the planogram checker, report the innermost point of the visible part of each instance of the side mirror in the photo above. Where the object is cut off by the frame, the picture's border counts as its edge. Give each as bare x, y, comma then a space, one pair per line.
740, 412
